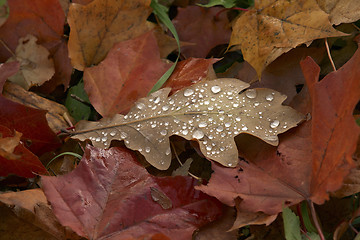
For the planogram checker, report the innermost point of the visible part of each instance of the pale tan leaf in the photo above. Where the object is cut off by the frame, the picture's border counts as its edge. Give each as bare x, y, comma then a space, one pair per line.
96, 26
35, 65
341, 11
8, 145
211, 112
274, 27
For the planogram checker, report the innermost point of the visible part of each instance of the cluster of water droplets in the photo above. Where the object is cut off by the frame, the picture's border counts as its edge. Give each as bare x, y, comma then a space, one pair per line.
212, 113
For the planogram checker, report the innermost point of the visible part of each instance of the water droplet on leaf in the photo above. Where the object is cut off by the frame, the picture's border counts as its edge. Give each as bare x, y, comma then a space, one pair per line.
274, 124
251, 93
215, 89
198, 134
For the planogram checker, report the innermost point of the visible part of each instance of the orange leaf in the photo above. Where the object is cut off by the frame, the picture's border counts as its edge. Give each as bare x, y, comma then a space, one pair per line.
128, 73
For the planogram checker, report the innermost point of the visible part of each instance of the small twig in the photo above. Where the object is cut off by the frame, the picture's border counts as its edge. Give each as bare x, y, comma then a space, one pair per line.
352, 228
315, 219
305, 233
80, 100
65, 131
177, 157
67, 119
329, 54
354, 25
7, 48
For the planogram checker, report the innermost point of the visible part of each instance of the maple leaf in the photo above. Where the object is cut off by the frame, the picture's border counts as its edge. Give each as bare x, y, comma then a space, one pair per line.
28, 17
198, 25
113, 85
27, 215
341, 11
309, 161
96, 26
36, 67
274, 27
191, 71
121, 200
211, 112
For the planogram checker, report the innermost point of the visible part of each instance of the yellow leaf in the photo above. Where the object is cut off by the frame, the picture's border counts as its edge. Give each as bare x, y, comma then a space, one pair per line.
97, 26
274, 27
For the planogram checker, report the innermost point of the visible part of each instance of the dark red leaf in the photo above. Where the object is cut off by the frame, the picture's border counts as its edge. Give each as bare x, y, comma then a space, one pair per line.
109, 196
23, 162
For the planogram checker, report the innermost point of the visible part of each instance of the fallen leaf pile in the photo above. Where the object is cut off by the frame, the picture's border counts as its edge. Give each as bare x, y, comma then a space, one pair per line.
250, 124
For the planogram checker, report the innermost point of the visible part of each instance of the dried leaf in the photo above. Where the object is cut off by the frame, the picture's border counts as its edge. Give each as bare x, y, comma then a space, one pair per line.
116, 201
8, 145
97, 26
212, 113
341, 11
28, 17
35, 65
113, 85
274, 27
198, 25
56, 115
27, 215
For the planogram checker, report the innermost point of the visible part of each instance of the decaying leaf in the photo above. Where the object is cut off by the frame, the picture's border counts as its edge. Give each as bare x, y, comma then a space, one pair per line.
27, 215
341, 11
274, 27
96, 26
110, 196
32, 17
8, 145
35, 65
57, 115
211, 112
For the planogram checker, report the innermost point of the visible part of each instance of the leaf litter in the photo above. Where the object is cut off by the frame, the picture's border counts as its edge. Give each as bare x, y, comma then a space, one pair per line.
211, 112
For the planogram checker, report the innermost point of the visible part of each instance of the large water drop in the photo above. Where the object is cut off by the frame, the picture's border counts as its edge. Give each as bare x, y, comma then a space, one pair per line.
215, 89
188, 92
251, 93
274, 124
198, 134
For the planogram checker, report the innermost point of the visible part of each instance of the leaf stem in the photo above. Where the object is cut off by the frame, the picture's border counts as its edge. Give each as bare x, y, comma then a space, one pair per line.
329, 54
315, 219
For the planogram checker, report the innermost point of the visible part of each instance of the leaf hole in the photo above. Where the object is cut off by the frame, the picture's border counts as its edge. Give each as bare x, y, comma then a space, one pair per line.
299, 87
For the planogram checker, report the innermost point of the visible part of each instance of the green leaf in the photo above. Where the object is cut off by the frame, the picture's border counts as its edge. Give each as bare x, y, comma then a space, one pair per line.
161, 12
224, 3
306, 218
291, 225
78, 110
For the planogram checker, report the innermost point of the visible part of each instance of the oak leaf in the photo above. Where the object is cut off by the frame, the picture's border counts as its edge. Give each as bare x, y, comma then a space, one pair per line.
341, 11
274, 27
28, 17
198, 25
97, 26
211, 112
35, 65
117, 200
113, 85
309, 161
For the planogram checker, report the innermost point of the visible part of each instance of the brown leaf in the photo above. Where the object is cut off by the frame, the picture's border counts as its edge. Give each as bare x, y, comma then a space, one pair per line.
191, 71
57, 115
96, 26
116, 200
198, 25
334, 99
25, 18
35, 65
274, 27
341, 11
27, 215
210, 112
113, 85
282, 75
8, 145
309, 161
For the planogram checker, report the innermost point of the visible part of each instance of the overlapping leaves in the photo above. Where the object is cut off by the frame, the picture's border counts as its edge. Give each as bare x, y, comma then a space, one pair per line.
211, 112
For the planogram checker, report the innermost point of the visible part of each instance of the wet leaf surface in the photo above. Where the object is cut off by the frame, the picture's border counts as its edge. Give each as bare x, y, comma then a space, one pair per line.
212, 113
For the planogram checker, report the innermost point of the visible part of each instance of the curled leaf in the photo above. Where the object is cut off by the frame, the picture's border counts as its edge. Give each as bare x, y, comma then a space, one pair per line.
211, 112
